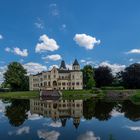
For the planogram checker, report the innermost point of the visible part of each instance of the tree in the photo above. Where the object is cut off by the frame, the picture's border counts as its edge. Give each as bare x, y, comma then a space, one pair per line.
103, 76
17, 112
131, 76
88, 74
16, 77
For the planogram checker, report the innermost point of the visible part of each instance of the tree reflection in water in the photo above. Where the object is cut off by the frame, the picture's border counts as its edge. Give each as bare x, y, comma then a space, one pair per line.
90, 108
17, 112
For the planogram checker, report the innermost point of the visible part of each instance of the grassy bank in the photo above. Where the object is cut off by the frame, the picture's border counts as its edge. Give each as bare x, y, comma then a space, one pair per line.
136, 97
81, 94
20, 94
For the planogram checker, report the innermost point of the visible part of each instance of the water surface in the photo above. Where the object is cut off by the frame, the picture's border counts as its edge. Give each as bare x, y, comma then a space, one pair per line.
69, 120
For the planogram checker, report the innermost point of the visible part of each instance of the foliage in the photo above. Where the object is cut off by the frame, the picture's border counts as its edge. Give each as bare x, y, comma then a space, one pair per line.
136, 97
131, 76
88, 74
16, 77
17, 112
103, 76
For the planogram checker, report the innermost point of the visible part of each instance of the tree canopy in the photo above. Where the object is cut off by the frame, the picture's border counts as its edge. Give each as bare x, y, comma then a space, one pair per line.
16, 77
88, 77
131, 76
103, 76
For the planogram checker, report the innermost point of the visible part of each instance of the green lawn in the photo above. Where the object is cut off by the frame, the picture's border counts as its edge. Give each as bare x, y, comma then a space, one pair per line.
77, 94
20, 94
136, 97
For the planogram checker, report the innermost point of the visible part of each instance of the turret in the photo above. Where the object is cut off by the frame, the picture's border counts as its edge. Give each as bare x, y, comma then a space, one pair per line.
63, 66
76, 65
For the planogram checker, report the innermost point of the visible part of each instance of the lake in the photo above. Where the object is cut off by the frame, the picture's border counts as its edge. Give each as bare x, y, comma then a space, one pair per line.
89, 119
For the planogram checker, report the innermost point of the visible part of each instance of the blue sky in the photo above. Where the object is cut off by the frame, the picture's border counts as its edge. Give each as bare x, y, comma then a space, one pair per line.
95, 32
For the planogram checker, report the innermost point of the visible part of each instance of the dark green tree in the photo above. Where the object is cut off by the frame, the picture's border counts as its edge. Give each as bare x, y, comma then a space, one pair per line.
88, 74
17, 111
103, 76
131, 76
16, 77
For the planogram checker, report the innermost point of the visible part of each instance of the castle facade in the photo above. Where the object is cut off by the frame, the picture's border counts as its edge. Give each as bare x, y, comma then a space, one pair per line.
58, 78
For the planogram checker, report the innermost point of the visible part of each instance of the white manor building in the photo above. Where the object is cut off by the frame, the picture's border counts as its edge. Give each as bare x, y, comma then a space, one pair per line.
59, 79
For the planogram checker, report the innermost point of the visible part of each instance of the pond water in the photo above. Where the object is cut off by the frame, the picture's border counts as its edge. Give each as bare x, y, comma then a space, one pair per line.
36, 119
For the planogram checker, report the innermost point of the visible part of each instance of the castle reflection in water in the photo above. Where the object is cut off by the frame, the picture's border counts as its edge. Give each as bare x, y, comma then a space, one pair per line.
58, 110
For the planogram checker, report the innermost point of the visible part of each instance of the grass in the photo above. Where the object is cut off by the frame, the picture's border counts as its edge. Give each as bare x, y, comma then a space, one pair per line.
136, 97
20, 94
80, 94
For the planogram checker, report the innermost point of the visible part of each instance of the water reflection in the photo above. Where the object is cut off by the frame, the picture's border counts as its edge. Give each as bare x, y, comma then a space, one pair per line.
18, 111
59, 109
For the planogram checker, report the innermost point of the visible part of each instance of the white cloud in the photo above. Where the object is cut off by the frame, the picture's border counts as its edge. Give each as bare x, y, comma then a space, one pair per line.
39, 24
82, 61
114, 67
52, 135
17, 51
131, 59
53, 57
20, 131
86, 41
33, 117
2, 71
33, 68
89, 135
115, 113
55, 124
20, 52
133, 51
7, 49
133, 128
46, 44
2, 106
69, 66
50, 67
1, 37
63, 27
54, 9
87, 62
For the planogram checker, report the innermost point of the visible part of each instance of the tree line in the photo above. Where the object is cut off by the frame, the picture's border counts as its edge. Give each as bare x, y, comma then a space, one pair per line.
103, 76
16, 77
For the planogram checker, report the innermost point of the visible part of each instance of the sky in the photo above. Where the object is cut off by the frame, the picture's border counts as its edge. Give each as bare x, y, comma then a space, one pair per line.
41, 33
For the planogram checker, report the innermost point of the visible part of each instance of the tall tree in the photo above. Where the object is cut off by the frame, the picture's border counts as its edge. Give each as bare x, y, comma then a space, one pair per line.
16, 77
103, 76
131, 76
88, 74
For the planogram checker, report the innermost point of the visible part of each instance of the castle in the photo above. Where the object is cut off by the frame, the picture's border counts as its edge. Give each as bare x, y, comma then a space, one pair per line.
58, 78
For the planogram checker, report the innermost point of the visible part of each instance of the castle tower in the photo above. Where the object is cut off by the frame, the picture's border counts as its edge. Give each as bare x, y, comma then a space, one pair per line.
75, 65
62, 66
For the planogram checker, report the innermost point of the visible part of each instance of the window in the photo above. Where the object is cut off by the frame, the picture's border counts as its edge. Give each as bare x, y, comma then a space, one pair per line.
54, 76
73, 76
45, 76
48, 76
63, 83
45, 83
77, 83
73, 83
